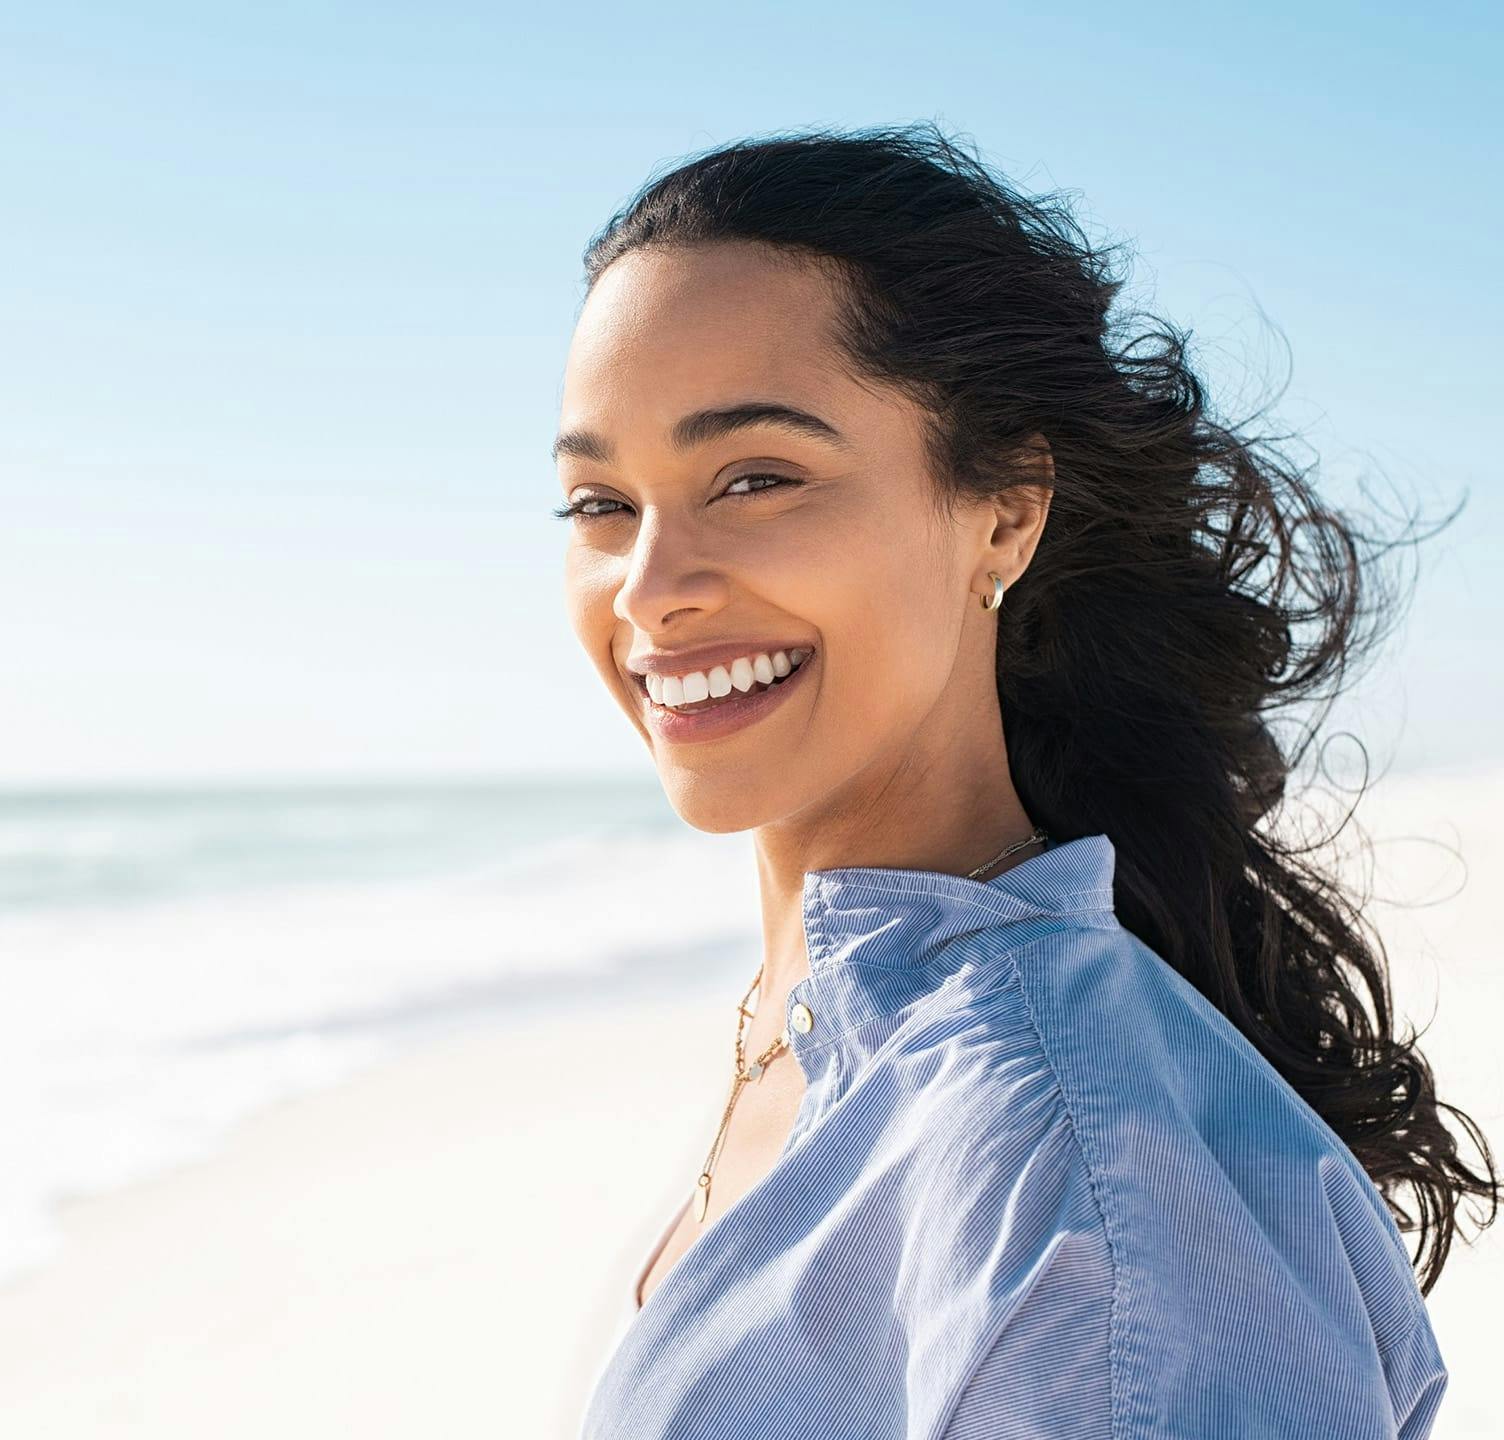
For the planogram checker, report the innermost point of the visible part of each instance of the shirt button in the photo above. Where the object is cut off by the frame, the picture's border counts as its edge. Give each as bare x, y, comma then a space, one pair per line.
802, 1018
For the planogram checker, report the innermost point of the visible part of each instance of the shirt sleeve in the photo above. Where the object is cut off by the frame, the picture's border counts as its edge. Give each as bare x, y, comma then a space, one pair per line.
1417, 1381
1016, 1394
1023, 1392
1047, 1375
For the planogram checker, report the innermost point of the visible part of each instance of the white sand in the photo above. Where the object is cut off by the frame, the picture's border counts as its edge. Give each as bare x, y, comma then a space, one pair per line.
441, 1247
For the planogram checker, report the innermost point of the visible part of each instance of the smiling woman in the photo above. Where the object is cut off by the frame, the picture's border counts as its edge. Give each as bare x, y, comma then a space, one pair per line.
1059, 1111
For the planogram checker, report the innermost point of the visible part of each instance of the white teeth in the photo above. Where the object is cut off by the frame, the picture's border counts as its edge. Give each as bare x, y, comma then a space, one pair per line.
742, 674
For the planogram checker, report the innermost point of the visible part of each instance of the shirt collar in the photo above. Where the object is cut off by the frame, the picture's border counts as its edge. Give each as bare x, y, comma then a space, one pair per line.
880, 938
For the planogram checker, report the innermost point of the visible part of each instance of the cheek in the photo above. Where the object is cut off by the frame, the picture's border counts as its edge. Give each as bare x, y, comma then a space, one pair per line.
889, 615
588, 592
587, 595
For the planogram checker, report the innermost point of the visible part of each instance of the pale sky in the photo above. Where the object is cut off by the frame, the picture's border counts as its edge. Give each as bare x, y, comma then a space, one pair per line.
285, 294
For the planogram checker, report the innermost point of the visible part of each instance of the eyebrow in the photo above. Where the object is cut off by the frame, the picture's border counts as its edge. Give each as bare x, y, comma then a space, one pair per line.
702, 426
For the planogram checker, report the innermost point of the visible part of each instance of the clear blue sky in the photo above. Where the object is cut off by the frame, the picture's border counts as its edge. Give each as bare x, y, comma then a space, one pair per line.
286, 288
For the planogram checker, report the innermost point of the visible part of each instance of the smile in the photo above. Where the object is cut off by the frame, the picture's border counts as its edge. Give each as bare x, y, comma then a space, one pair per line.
727, 698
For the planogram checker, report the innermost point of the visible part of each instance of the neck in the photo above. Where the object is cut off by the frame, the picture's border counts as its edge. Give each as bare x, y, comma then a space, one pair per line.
952, 812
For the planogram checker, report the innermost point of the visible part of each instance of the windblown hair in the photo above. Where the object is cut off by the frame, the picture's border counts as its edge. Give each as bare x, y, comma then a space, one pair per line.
1189, 589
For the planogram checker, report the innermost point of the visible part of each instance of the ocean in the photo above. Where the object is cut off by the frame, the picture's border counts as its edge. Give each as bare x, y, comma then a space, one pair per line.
175, 959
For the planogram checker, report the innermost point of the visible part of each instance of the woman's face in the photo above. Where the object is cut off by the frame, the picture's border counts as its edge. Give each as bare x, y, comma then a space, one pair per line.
746, 496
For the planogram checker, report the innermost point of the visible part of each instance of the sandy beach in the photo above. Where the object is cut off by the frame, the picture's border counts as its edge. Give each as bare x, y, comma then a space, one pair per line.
442, 1245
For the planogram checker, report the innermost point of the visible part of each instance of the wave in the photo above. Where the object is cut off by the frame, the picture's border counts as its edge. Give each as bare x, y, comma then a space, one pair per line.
142, 1025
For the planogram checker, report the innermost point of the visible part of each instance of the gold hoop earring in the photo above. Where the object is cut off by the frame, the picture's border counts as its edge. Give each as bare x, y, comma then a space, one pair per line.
995, 601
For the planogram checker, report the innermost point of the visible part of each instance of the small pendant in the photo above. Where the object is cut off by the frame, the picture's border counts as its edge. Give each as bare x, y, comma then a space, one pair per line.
702, 1197
754, 1070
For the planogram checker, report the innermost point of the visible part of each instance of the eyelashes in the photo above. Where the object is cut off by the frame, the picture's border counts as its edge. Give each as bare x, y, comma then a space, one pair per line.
577, 508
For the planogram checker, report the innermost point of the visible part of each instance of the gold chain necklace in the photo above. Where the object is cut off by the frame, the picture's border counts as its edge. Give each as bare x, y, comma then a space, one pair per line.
1035, 838
744, 1073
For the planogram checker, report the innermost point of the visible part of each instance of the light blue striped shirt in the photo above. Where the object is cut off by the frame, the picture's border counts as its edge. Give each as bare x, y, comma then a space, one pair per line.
1038, 1186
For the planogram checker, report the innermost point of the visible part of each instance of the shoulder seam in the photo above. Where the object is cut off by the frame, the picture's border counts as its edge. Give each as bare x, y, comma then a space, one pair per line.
1101, 1193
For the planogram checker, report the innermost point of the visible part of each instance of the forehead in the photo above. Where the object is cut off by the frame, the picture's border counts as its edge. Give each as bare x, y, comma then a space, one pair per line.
666, 330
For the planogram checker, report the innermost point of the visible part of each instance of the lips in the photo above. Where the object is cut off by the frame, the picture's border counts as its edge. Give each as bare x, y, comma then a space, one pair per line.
714, 718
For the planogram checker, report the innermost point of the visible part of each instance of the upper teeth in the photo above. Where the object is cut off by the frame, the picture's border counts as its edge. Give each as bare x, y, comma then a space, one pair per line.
742, 673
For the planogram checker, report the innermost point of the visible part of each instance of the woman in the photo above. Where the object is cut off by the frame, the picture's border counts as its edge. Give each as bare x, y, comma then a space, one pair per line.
1057, 1110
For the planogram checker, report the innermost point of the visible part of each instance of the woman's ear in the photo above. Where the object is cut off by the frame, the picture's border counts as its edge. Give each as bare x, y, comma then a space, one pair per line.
1020, 511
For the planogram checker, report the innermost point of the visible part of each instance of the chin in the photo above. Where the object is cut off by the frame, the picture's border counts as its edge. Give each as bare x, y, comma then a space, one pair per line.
717, 804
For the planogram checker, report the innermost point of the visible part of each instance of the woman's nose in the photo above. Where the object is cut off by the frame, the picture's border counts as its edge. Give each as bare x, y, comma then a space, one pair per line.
667, 571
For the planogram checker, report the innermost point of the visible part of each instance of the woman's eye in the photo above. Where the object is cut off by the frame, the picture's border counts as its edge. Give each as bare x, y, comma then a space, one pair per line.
581, 507
588, 507
773, 480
